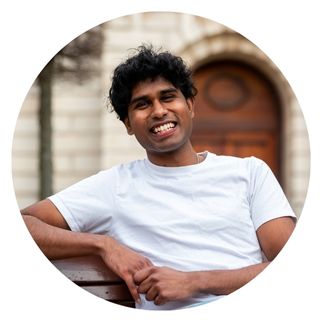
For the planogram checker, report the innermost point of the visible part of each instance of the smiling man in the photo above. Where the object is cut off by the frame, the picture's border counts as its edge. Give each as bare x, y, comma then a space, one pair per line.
181, 228
160, 117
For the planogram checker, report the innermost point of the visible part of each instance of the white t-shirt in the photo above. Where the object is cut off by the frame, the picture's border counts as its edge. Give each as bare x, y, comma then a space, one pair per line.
190, 218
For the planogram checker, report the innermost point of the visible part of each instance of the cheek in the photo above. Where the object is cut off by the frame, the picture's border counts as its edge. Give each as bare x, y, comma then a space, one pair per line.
132, 123
138, 128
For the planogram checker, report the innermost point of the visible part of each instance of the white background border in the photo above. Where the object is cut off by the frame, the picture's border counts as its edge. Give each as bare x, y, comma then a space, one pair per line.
289, 32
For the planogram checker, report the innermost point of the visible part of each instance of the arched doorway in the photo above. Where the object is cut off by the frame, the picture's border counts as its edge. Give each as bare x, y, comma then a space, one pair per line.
237, 113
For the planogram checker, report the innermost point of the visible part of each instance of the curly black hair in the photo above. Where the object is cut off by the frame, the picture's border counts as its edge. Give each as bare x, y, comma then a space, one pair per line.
148, 64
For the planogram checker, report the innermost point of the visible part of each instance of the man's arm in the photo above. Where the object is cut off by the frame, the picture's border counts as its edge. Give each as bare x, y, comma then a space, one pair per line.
162, 284
54, 237
52, 233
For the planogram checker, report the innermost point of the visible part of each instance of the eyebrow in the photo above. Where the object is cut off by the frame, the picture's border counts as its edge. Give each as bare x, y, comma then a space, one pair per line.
145, 97
169, 90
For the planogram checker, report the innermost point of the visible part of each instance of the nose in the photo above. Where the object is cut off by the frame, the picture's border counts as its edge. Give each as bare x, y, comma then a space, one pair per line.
158, 110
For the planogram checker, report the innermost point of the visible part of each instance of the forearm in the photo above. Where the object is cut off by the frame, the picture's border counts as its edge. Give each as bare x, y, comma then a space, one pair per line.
224, 282
59, 243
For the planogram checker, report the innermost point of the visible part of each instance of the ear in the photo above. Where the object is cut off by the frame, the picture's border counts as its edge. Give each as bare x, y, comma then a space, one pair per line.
128, 126
191, 106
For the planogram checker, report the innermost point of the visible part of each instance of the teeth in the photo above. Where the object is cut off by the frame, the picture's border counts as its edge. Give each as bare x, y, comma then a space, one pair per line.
164, 127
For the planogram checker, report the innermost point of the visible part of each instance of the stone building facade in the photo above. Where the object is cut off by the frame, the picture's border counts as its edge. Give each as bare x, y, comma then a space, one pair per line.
88, 138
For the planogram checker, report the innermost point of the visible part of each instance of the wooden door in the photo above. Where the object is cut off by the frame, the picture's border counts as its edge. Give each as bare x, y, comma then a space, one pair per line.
237, 113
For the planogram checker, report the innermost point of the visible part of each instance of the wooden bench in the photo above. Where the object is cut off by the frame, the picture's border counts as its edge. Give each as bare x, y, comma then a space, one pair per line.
90, 273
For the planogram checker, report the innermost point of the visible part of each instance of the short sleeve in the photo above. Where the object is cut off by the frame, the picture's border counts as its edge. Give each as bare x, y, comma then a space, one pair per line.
267, 199
87, 206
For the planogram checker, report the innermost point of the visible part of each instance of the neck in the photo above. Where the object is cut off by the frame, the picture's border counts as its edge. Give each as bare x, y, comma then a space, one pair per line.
178, 158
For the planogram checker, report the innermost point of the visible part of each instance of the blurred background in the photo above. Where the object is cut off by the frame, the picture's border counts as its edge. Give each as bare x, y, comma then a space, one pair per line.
244, 107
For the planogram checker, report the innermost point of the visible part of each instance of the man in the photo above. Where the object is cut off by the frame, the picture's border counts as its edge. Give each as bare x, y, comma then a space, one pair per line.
181, 228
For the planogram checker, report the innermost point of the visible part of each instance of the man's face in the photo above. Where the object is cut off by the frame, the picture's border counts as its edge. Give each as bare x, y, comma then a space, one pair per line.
159, 116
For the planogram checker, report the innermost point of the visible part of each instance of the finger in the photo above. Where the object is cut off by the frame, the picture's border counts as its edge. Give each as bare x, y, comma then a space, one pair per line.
142, 274
133, 290
151, 294
159, 300
144, 286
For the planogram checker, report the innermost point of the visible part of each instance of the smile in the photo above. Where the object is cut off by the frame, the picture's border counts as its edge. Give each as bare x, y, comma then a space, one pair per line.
164, 128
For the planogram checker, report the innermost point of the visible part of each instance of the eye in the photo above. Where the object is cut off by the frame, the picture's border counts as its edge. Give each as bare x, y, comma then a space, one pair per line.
168, 97
140, 105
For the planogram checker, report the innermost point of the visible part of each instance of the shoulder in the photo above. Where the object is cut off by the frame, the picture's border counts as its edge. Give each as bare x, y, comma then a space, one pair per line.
104, 178
100, 186
250, 168
250, 163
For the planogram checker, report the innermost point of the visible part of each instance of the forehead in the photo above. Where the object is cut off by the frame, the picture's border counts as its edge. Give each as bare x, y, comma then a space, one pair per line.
150, 87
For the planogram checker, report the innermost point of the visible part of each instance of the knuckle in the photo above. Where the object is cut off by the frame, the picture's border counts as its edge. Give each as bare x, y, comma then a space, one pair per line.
155, 280
159, 300
144, 262
148, 262
148, 297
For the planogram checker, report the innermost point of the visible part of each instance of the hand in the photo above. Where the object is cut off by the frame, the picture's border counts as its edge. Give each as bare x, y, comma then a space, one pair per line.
163, 284
125, 263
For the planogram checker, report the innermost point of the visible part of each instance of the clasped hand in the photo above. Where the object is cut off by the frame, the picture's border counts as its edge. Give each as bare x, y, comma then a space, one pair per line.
159, 284
163, 284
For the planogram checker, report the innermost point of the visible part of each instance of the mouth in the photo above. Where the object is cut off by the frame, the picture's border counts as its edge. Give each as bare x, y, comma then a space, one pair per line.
163, 128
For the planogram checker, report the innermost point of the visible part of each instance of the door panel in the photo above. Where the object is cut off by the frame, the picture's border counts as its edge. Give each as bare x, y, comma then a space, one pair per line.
237, 113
